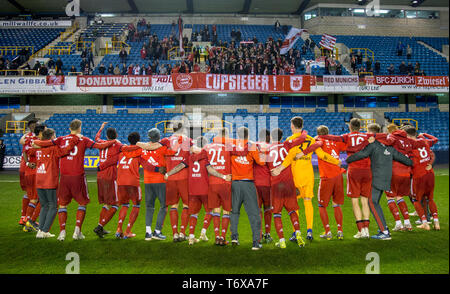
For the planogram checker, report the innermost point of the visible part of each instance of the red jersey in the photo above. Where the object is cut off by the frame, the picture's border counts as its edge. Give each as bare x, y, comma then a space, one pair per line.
128, 168
421, 155
355, 142
181, 154
27, 137
30, 154
198, 177
73, 163
404, 145
219, 157
431, 140
261, 173
328, 170
47, 165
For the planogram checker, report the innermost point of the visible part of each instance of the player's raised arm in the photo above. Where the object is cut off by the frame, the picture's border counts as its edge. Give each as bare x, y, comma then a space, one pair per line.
99, 133
366, 152
429, 138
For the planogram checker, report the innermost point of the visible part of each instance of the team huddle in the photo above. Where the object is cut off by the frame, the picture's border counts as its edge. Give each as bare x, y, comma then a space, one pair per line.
226, 174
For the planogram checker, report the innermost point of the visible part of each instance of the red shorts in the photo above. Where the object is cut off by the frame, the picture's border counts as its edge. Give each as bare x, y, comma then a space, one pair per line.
23, 184
331, 187
219, 196
359, 183
30, 184
400, 186
423, 187
73, 187
107, 192
129, 193
263, 196
175, 190
284, 195
196, 202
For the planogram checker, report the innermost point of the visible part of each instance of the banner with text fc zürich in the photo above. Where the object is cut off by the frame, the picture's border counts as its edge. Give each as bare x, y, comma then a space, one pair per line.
241, 83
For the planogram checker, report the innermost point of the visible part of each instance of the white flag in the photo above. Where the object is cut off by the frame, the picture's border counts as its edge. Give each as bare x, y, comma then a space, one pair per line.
328, 41
180, 35
290, 39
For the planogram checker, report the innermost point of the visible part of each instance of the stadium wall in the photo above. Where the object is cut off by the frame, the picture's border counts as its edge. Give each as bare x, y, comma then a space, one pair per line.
363, 26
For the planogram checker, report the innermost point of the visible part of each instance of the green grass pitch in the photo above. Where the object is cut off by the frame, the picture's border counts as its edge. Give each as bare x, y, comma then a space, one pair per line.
417, 252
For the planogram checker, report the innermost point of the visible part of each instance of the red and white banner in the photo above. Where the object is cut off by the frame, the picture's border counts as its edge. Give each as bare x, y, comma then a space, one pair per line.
114, 81
328, 41
54, 80
241, 83
394, 80
341, 81
290, 40
422, 81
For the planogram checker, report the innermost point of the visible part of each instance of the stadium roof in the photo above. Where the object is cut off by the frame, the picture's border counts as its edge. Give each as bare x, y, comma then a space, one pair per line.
187, 6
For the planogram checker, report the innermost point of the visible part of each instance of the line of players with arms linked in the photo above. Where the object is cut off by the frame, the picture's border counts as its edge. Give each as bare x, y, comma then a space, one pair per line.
224, 175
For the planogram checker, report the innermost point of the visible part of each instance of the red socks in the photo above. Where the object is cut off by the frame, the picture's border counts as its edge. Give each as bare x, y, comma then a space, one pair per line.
338, 216
174, 220
360, 225
30, 210
216, 222
294, 219
122, 215
192, 224
433, 208
184, 220
324, 218
225, 222
278, 225
62, 217
403, 208
268, 220
394, 210
25, 202
36, 212
207, 220
107, 216
133, 216
81, 213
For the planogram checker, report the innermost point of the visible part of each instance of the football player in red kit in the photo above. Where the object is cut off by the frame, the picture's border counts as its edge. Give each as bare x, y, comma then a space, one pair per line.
29, 157
423, 178
107, 178
128, 185
72, 183
25, 200
401, 179
331, 185
199, 167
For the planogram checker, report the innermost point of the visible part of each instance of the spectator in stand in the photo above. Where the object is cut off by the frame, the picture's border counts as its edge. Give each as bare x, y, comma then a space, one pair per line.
143, 53
73, 69
277, 26
51, 63
417, 66
136, 70
359, 57
123, 55
339, 70
377, 67
368, 65
90, 57
400, 48
59, 71
36, 66
43, 70
51, 71
391, 69
124, 70
163, 70
410, 69
332, 67
130, 69
233, 35
110, 69
403, 70
238, 36
59, 64
362, 72
102, 69
408, 52
143, 70
353, 63
83, 63
87, 70
422, 73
